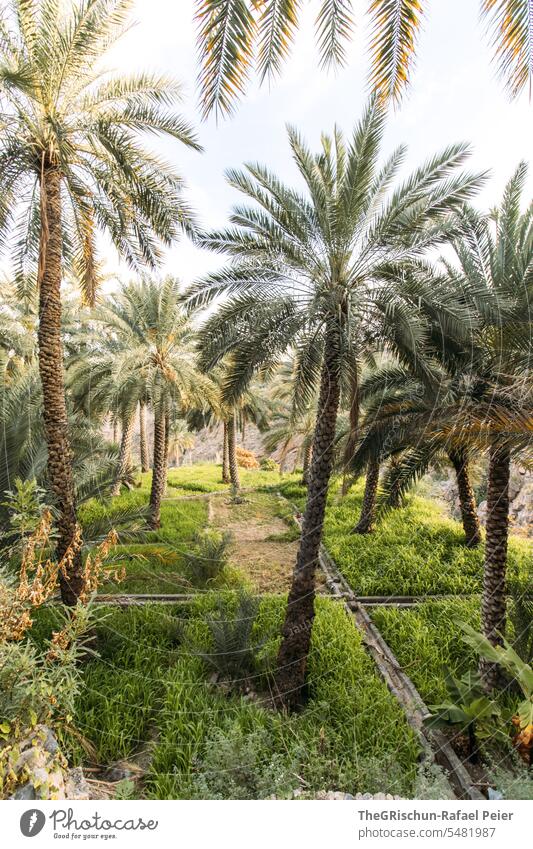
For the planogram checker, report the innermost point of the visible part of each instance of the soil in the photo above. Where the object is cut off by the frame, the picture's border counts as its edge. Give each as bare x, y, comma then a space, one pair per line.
262, 548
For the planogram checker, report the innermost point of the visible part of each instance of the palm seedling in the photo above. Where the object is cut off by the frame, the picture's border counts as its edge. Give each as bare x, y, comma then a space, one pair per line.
310, 268
71, 163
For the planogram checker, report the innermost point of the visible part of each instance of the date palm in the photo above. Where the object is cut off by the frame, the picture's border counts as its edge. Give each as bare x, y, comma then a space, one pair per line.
496, 254
236, 35
72, 162
310, 268
402, 423
146, 353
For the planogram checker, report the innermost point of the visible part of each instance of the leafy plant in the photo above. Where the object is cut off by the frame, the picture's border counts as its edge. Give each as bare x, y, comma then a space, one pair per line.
24, 504
210, 555
468, 707
520, 671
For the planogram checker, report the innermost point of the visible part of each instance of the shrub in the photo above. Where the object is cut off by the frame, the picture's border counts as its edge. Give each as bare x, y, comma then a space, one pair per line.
246, 459
209, 556
269, 465
240, 765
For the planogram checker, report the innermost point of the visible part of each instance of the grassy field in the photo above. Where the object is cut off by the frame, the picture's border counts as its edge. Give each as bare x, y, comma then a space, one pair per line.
414, 550
150, 683
152, 686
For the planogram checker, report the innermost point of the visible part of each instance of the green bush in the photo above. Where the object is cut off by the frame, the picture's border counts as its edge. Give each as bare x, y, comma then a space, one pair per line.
267, 464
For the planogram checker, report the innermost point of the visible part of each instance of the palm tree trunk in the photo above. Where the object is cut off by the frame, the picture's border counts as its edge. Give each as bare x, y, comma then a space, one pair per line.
232, 457
59, 464
494, 591
296, 633
395, 498
159, 471
351, 441
167, 440
124, 454
115, 430
459, 460
145, 463
225, 457
308, 456
368, 510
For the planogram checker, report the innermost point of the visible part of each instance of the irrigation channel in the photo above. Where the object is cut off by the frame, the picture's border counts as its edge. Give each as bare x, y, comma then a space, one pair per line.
435, 746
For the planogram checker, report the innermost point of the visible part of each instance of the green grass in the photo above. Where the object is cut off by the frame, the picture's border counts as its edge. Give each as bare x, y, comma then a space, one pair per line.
149, 681
414, 550
156, 564
426, 640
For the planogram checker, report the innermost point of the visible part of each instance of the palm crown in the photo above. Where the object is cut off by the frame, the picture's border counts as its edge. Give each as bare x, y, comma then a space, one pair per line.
59, 107
345, 250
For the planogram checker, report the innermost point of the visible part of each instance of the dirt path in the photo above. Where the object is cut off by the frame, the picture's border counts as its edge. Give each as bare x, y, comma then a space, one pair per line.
264, 543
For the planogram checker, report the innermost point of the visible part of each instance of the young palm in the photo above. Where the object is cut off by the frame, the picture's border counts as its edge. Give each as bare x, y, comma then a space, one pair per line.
293, 421
308, 270
235, 34
72, 162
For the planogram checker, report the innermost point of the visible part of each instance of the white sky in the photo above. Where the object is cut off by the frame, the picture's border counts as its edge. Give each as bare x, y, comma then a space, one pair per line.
455, 96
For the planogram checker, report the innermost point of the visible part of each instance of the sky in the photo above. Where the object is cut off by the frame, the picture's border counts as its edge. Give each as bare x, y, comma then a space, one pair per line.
455, 96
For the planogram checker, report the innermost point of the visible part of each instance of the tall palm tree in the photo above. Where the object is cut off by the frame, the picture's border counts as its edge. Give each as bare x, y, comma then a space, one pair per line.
233, 35
146, 353
496, 254
308, 269
72, 162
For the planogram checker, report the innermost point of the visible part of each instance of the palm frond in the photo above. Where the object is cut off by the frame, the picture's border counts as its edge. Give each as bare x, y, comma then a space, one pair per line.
395, 28
511, 25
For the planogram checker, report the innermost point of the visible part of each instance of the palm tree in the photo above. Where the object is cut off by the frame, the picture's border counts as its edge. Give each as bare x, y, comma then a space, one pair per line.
496, 254
293, 421
368, 509
180, 440
71, 163
310, 268
401, 424
147, 354
233, 35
